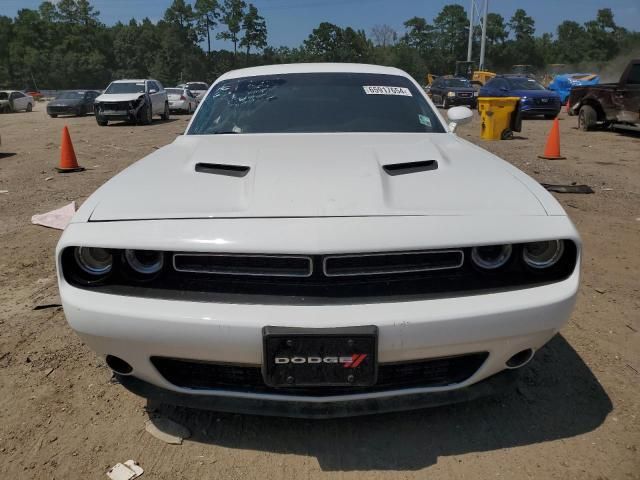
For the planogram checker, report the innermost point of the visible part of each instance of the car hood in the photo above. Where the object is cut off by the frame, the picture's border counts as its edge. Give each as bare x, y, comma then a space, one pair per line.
119, 97
315, 175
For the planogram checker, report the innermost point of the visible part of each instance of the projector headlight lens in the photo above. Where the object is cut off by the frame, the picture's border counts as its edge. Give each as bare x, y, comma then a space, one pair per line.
492, 256
145, 262
94, 261
543, 254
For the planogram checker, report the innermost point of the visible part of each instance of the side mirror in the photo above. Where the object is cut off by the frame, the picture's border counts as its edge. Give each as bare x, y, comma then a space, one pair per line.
458, 116
153, 90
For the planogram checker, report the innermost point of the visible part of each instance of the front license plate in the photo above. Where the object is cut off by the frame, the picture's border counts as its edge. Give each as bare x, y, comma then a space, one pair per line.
316, 357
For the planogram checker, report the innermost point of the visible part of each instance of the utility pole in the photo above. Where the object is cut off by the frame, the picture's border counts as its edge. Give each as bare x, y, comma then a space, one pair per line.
470, 46
479, 10
484, 34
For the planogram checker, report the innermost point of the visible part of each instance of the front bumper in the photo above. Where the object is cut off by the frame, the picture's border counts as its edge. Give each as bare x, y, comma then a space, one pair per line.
529, 109
290, 408
63, 110
136, 329
464, 101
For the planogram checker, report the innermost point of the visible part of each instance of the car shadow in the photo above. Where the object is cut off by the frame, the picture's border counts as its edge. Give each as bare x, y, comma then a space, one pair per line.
556, 396
7, 154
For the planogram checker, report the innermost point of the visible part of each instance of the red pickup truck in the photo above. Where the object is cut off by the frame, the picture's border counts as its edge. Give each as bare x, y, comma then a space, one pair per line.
609, 104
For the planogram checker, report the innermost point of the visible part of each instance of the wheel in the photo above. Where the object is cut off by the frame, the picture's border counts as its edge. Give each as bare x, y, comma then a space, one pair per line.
146, 116
587, 118
29, 107
103, 122
550, 117
53, 115
506, 134
165, 116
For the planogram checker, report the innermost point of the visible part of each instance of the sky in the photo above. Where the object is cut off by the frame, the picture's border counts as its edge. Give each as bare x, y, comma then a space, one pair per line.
289, 22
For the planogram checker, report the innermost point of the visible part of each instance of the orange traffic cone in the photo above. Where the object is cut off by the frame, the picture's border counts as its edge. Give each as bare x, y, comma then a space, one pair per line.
68, 161
552, 149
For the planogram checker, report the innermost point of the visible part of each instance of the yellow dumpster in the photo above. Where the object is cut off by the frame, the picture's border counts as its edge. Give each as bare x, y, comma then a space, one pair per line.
498, 117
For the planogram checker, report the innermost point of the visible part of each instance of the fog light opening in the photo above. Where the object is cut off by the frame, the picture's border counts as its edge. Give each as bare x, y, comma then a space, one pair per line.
118, 365
520, 359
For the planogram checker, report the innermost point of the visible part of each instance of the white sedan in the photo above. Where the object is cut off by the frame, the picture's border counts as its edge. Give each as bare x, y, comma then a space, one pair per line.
14, 101
181, 99
318, 243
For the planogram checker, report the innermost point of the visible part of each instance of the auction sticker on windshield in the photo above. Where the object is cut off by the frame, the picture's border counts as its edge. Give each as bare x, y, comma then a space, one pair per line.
382, 90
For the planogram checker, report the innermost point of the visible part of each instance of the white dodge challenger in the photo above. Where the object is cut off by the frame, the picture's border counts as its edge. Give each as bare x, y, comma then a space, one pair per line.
318, 243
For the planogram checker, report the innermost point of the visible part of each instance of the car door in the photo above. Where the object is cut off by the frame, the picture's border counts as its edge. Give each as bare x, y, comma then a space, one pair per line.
19, 101
154, 96
89, 97
628, 96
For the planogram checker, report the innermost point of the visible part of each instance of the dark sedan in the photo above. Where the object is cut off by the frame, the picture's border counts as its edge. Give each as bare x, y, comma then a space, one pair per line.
76, 102
451, 91
534, 98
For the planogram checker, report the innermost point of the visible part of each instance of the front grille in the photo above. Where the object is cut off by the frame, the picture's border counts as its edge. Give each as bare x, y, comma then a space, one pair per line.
114, 106
390, 263
250, 265
465, 94
60, 109
434, 372
321, 279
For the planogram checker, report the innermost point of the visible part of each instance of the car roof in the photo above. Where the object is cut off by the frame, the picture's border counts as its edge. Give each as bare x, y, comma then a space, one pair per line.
130, 80
312, 68
11, 91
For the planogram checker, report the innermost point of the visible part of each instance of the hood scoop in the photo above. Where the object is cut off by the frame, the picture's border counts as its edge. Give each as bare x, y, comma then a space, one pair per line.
226, 170
410, 167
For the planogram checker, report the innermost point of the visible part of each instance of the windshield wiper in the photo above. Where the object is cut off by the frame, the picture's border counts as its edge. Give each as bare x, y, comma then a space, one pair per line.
224, 132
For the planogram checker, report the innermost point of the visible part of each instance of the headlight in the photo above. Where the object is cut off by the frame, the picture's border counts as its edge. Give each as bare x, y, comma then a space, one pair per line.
542, 254
94, 261
491, 257
451, 94
145, 262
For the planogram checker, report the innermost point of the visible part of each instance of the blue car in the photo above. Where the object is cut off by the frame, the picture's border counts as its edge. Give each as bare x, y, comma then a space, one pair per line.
534, 98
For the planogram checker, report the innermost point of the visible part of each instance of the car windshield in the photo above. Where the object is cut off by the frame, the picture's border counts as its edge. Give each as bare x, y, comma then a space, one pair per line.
457, 82
4, 96
173, 91
70, 96
197, 86
315, 103
125, 87
523, 83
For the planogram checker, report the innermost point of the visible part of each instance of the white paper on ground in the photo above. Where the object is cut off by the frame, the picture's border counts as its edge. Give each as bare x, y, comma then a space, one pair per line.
58, 218
125, 471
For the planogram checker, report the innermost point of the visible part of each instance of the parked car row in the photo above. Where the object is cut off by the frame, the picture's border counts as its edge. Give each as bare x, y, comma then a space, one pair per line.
535, 99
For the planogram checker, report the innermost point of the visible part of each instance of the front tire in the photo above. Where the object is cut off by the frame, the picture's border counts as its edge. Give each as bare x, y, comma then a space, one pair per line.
587, 118
147, 116
550, 116
53, 115
29, 107
103, 122
165, 116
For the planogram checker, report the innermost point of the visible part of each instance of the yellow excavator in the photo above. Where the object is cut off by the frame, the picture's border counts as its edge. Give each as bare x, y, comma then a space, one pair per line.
477, 77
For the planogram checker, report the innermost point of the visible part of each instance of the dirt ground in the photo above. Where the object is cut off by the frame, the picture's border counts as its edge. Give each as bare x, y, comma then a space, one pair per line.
574, 414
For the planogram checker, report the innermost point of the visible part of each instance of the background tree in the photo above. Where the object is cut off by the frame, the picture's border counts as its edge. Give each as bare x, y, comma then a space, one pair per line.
255, 30
207, 13
383, 35
232, 16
